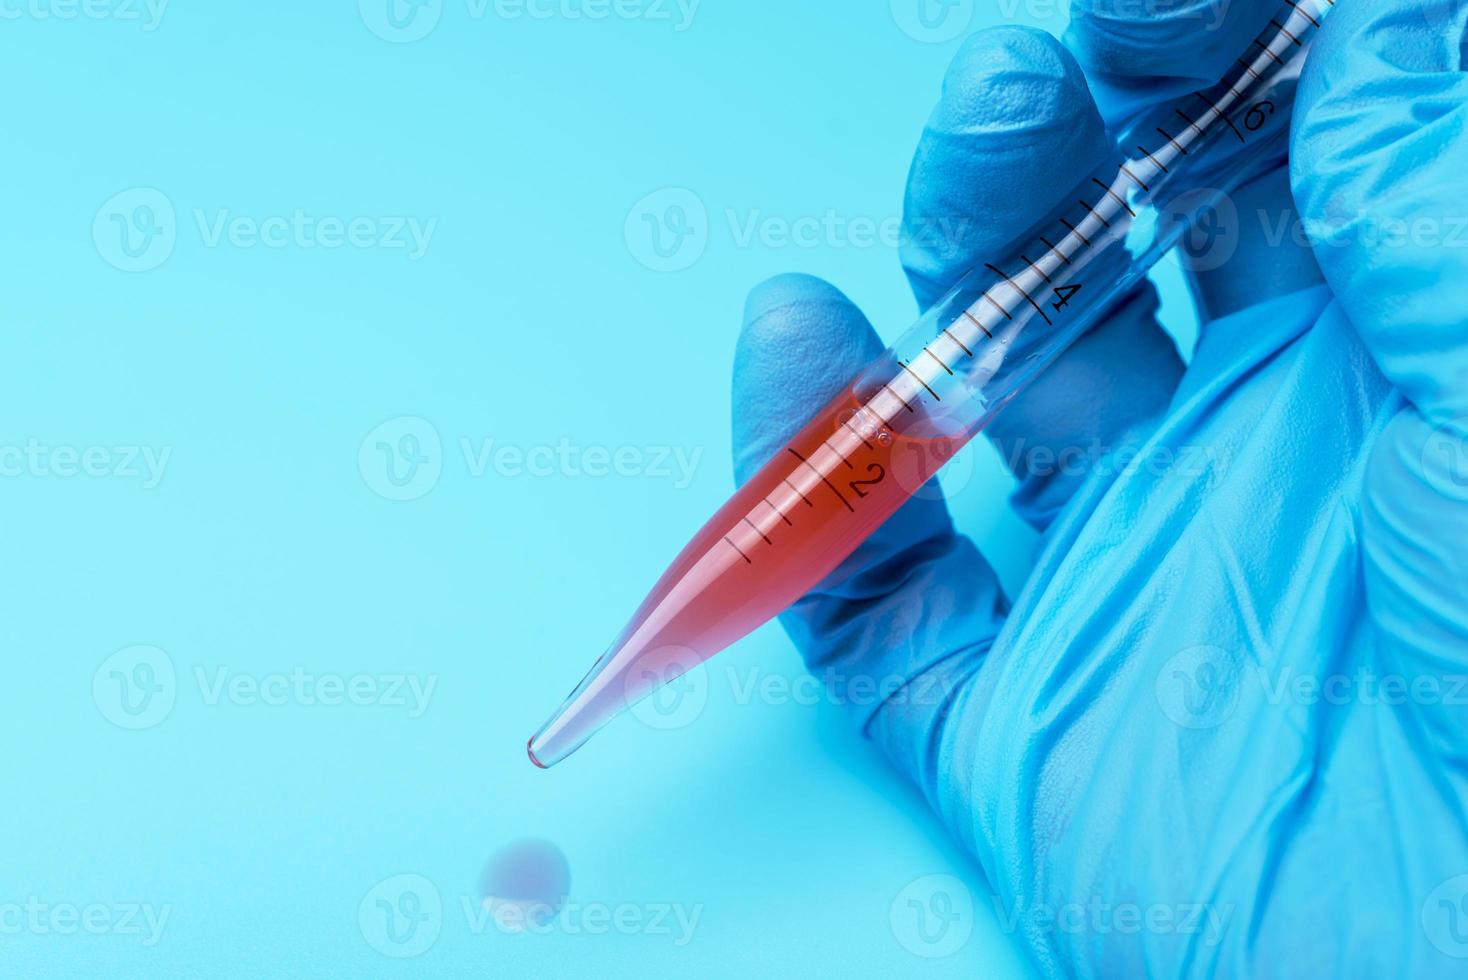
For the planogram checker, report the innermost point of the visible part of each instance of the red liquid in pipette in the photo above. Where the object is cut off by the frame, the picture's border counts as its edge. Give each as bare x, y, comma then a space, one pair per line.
828, 490
783, 532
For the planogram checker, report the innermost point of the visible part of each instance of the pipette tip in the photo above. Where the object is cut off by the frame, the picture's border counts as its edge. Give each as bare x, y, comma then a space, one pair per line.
530, 751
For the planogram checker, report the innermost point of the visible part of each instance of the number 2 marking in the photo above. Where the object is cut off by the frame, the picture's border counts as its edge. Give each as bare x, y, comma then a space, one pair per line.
872, 468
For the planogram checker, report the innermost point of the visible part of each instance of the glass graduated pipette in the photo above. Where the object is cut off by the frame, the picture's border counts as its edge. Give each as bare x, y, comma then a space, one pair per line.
878, 442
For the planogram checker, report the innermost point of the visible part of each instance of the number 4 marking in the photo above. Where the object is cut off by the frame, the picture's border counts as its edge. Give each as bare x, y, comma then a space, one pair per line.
1063, 295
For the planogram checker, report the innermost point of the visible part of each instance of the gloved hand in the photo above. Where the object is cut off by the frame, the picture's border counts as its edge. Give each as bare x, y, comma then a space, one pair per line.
1221, 730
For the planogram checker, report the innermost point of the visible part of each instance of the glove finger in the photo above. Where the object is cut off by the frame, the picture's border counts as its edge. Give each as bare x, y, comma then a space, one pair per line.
900, 628
1191, 40
1380, 149
801, 344
1014, 130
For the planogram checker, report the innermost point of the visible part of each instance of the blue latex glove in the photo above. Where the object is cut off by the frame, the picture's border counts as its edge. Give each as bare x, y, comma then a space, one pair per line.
1229, 696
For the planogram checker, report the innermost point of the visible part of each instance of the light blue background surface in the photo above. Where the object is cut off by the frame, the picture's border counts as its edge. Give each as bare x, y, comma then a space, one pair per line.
532, 317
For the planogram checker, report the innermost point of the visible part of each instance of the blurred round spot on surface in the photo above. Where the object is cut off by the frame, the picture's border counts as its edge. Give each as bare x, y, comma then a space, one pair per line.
524, 884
